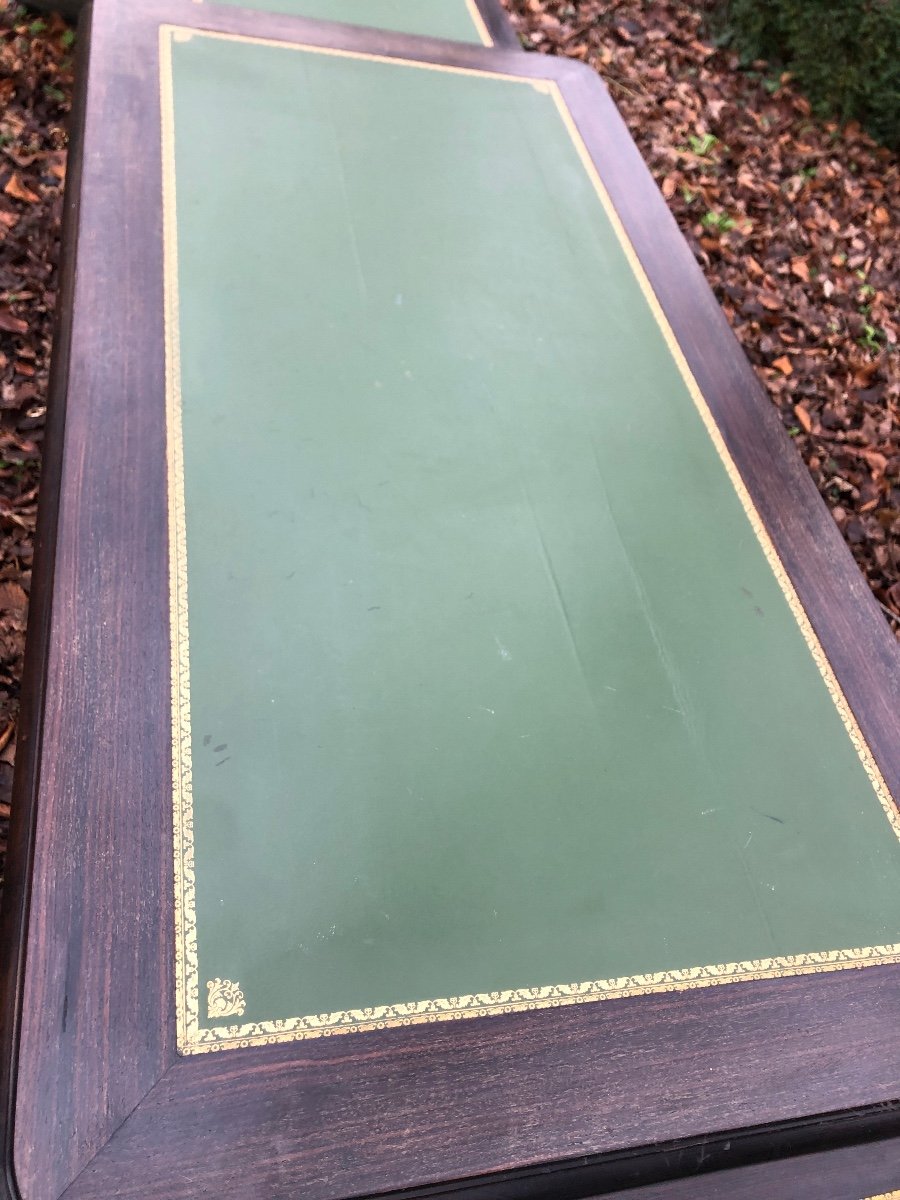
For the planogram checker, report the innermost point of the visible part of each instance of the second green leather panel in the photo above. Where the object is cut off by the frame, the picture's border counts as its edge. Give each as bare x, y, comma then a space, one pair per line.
458, 20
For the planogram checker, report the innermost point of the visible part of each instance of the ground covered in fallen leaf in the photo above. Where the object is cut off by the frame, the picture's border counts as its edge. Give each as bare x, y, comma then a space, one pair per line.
35, 91
795, 223
793, 220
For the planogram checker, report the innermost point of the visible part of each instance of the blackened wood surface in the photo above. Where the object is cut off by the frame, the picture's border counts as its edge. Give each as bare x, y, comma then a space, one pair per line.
375, 1112
848, 1173
102, 1106
499, 25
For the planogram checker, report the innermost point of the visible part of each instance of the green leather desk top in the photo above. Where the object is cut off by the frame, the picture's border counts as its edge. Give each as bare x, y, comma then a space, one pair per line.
459, 20
489, 689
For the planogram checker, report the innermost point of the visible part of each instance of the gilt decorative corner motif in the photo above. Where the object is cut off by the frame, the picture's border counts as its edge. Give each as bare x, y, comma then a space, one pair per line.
224, 999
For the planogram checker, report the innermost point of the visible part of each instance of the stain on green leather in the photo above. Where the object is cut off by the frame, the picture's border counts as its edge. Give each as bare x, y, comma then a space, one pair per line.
492, 685
428, 18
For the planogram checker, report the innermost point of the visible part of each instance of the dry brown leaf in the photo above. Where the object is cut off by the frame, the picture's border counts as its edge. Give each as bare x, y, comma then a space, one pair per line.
10, 323
17, 189
803, 417
876, 461
12, 597
800, 269
8, 753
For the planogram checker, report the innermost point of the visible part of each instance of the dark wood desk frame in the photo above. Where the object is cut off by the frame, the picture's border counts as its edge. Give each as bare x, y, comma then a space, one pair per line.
644, 1092
498, 25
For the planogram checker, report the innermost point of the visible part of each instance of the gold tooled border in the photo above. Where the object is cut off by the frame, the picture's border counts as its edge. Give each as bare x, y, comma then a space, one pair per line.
191, 1038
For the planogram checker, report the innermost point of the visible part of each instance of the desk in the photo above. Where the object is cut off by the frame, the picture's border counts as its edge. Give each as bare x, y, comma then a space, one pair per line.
460, 751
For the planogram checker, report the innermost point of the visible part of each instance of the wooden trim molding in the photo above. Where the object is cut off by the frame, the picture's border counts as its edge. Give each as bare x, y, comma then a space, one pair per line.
498, 24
